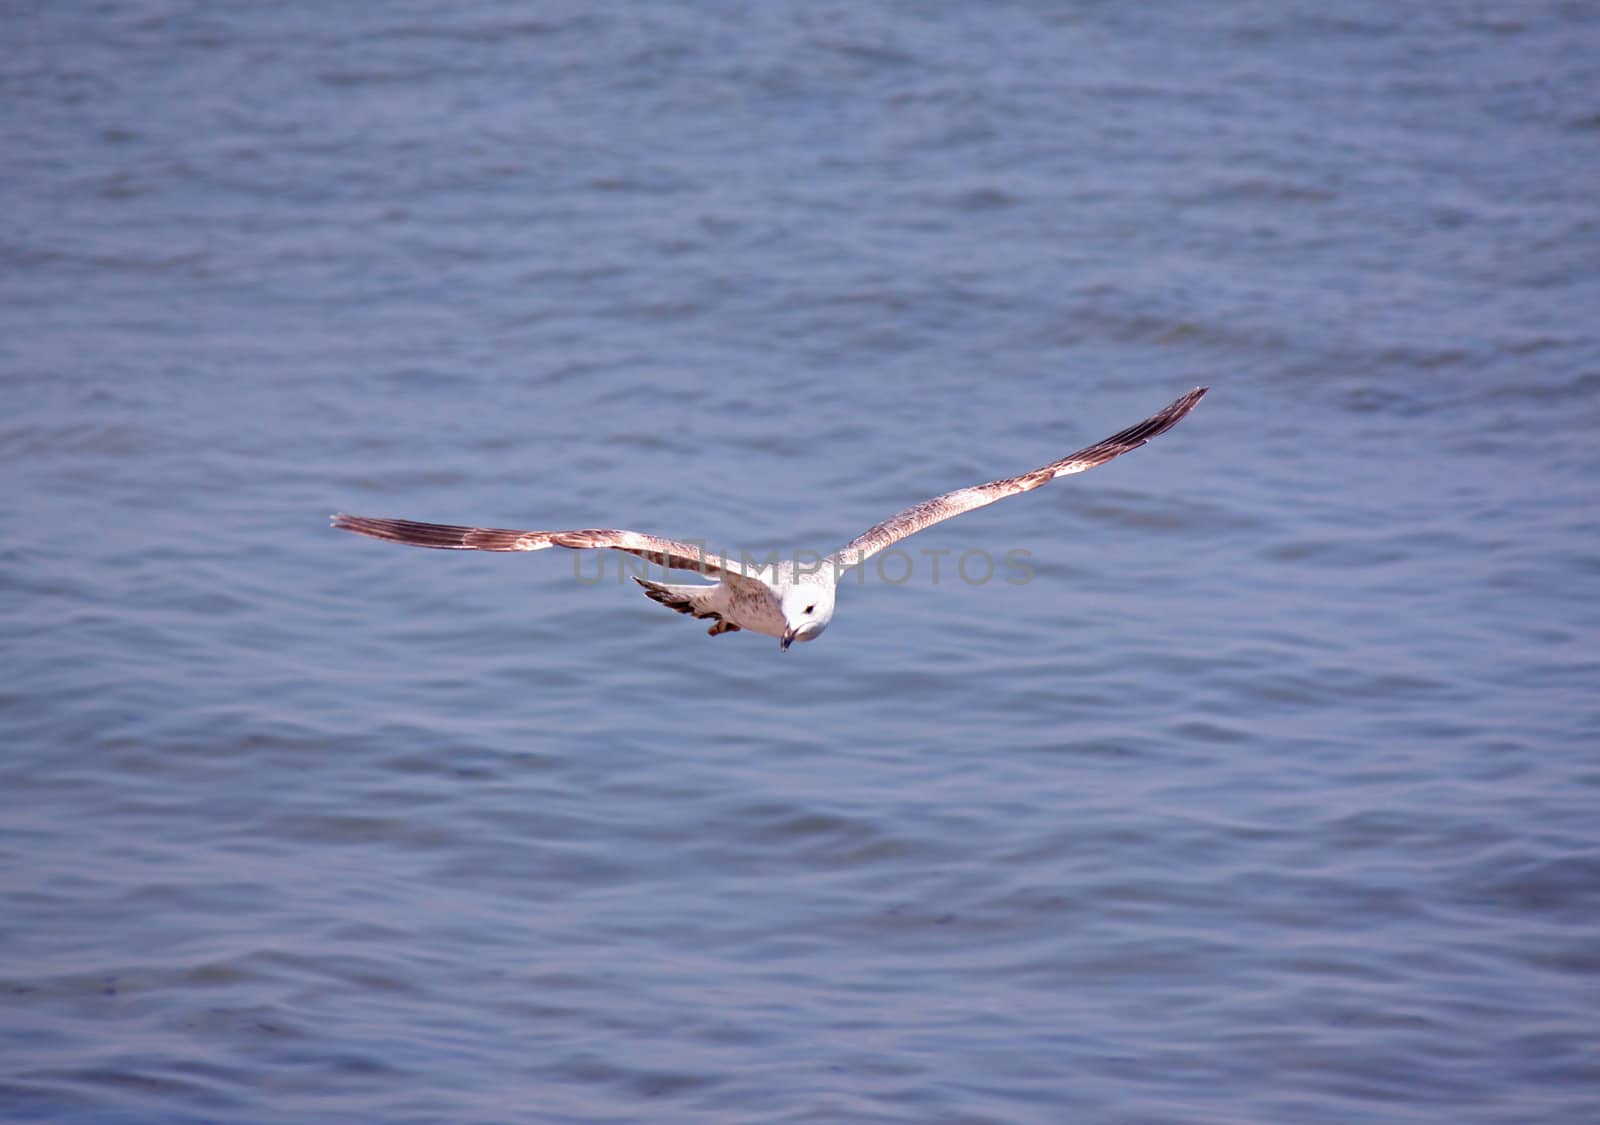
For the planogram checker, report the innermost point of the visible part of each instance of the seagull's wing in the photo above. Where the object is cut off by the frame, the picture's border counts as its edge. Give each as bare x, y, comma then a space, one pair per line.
929, 512
663, 552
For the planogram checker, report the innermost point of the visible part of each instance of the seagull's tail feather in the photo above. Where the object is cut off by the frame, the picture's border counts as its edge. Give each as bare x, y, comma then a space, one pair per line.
686, 599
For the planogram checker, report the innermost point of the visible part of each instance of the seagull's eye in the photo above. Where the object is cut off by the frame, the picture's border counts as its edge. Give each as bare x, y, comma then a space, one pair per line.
809, 608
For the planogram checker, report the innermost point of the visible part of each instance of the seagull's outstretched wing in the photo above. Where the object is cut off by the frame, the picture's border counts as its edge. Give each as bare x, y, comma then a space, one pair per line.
663, 552
929, 512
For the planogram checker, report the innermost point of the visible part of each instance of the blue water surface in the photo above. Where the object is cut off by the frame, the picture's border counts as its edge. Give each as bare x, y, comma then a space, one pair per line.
1269, 792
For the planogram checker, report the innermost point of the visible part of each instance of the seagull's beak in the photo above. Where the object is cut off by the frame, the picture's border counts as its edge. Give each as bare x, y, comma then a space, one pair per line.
788, 639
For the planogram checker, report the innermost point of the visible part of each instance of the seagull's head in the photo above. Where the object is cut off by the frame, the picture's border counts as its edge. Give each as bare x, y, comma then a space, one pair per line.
807, 609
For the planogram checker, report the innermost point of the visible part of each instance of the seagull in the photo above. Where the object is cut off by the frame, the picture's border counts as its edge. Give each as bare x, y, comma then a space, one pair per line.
786, 599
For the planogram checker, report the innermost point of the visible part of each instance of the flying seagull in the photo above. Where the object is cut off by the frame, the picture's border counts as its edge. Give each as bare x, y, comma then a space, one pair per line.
782, 599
